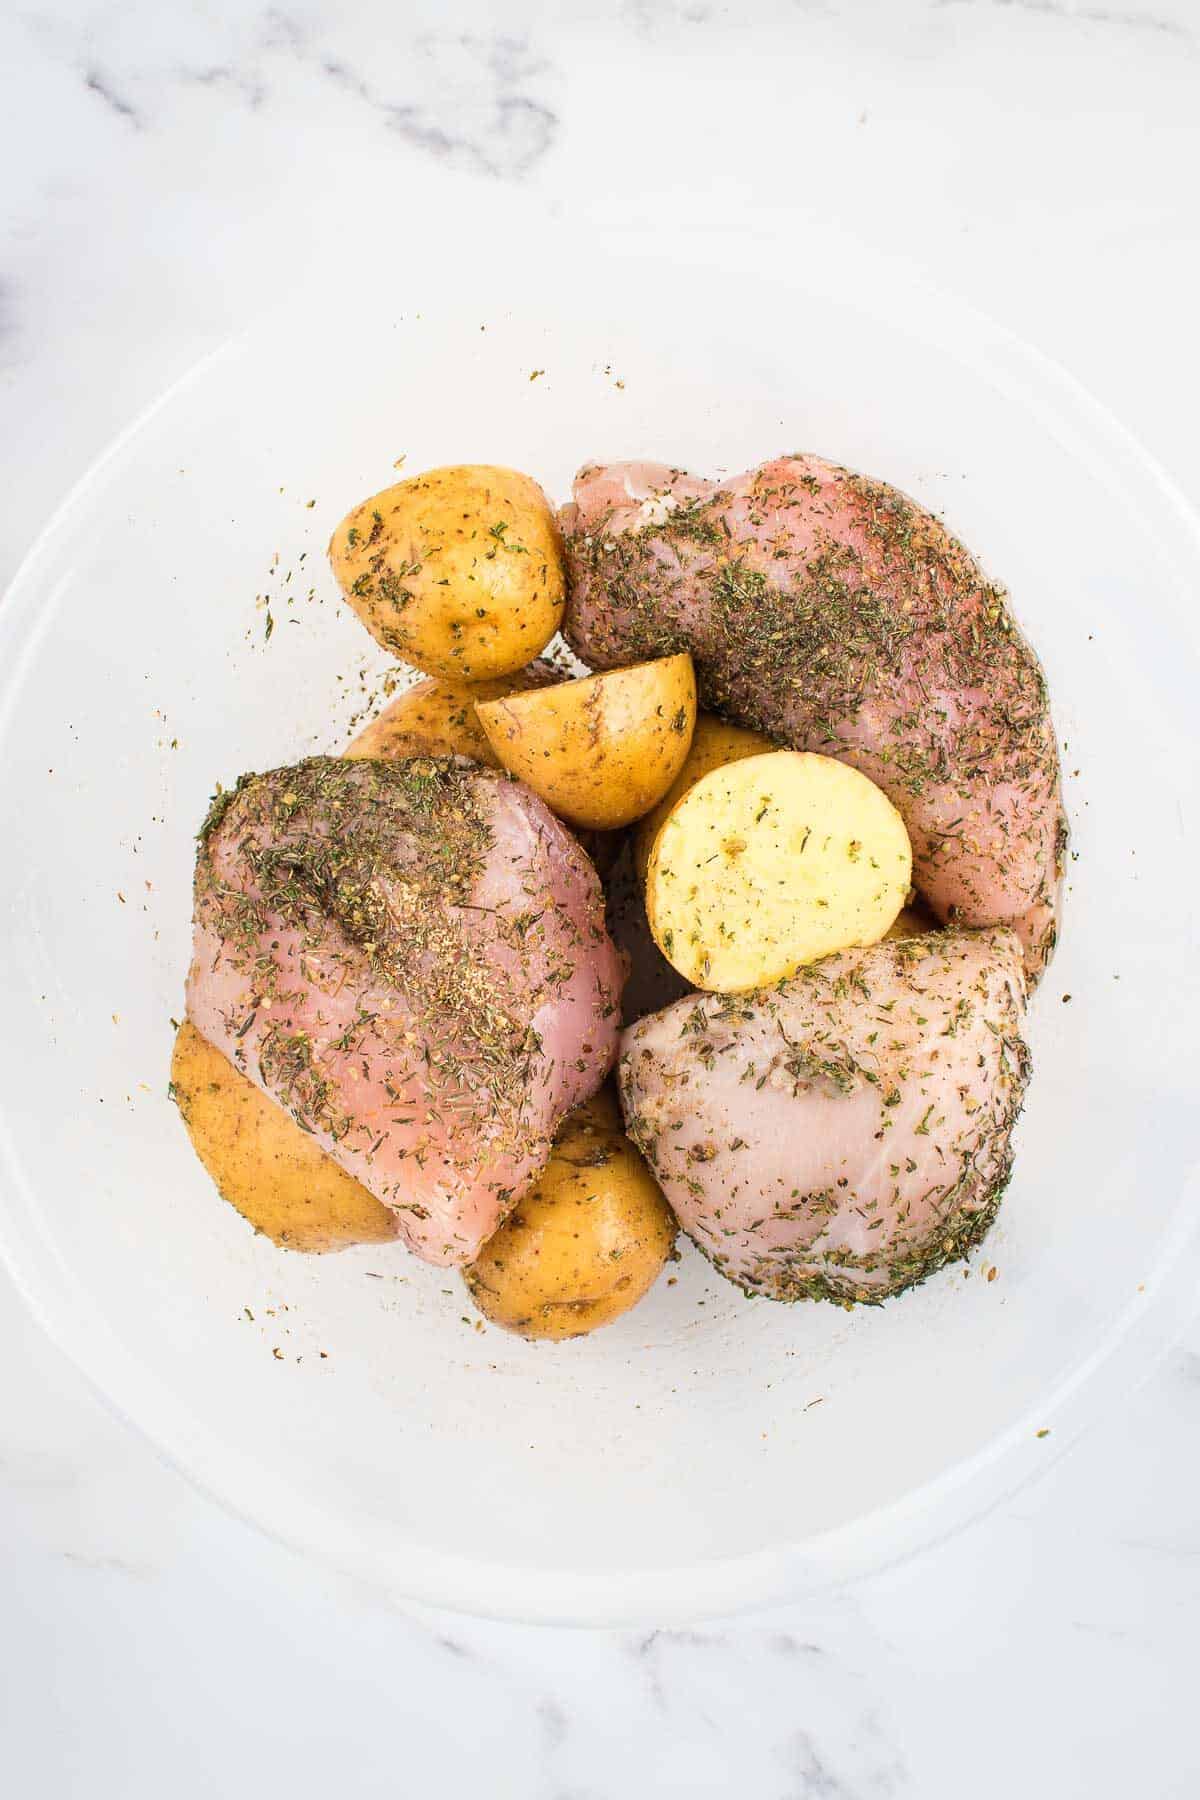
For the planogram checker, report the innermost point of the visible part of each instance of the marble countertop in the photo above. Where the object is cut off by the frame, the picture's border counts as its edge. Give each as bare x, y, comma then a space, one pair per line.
162, 168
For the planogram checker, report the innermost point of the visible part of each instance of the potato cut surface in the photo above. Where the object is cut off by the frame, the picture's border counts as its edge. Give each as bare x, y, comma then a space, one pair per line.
437, 718
603, 750
715, 742
770, 863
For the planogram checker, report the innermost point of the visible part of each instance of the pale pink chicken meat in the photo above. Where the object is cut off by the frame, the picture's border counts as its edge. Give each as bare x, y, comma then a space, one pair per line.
844, 1134
832, 612
411, 958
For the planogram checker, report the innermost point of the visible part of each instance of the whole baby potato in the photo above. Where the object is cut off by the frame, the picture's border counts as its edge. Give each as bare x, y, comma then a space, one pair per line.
602, 750
437, 718
458, 571
714, 742
585, 1243
261, 1161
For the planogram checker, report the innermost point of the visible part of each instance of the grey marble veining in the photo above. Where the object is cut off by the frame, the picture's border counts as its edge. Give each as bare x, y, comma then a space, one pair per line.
1164, 24
478, 114
98, 84
475, 100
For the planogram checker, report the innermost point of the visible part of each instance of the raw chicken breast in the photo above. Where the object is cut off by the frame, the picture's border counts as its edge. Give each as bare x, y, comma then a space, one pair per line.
833, 613
846, 1133
411, 957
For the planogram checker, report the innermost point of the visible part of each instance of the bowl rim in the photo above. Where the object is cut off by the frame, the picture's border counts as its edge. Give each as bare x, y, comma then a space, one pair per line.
1143, 1330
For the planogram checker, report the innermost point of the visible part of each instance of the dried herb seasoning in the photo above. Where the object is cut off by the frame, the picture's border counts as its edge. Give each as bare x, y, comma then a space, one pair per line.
829, 611
382, 977
816, 1071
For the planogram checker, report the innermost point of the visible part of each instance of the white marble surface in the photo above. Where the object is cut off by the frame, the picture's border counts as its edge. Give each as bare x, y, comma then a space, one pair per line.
162, 168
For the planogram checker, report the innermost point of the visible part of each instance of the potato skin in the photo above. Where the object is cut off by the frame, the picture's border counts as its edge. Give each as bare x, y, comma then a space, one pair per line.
715, 742
585, 1243
602, 750
773, 862
261, 1161
458, 571
437, 718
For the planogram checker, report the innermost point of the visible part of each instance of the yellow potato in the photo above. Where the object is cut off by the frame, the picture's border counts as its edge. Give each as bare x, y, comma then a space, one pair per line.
263, 1163
437, 718
458, 570
714, 743
585, 1243
770, 863
600, 751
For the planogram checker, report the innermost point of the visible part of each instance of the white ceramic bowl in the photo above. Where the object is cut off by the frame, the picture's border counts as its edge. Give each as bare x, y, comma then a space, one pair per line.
704, 1453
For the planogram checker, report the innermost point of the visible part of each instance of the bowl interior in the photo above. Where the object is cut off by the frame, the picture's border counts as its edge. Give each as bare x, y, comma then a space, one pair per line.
178, 625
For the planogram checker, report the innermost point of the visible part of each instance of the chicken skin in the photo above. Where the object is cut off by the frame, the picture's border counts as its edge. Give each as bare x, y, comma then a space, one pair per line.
411, 958
847, 1132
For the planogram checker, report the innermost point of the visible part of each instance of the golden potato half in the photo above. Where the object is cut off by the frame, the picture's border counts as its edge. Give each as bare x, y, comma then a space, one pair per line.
773, 862
602, 750
261, 1161
458, 571
585, 1243
714, 743
437, 718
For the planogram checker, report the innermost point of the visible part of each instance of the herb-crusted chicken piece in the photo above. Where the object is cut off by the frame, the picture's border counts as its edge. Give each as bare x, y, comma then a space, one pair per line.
833, 613
843, 1134
411, 958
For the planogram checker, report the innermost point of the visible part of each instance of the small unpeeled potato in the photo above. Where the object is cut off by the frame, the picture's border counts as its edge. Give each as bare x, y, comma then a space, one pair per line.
585, 1243
437, 718
458, 571
261, 1161
773, 862
714, 743
603, 750
602, 847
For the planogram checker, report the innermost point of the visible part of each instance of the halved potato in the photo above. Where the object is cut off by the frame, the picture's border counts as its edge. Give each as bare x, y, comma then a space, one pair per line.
770, 863
458, 570
261, 1161
437, 718
587, 1240
600, 751
714, 743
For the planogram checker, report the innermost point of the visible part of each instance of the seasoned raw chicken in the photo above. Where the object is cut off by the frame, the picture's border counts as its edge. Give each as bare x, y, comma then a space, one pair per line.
410, 957
832, 612
845, 1133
